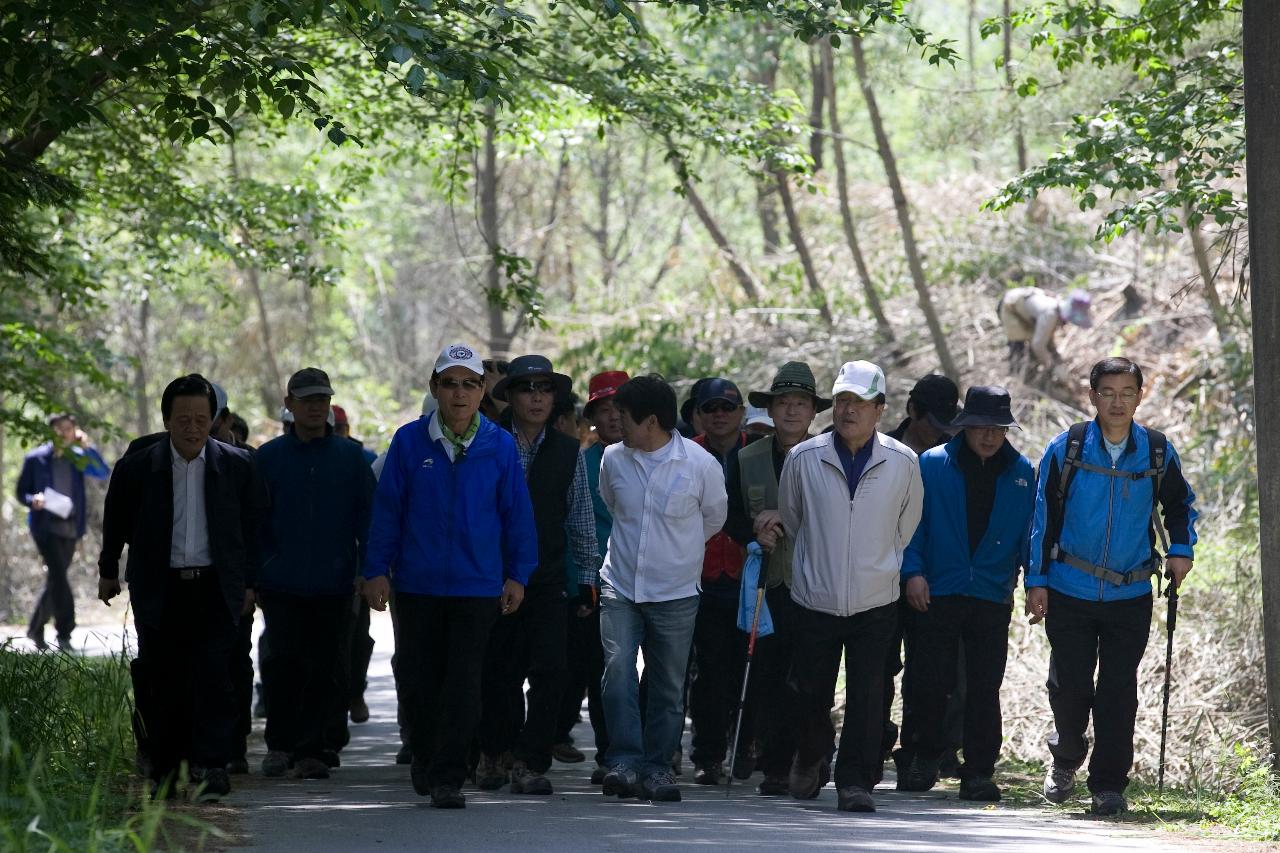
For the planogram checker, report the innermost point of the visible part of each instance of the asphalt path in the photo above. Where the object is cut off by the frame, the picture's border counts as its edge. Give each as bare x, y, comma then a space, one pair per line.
369, 804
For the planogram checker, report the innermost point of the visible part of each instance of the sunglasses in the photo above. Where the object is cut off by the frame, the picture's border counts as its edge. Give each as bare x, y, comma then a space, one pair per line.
533, 387
720, 408
463, 384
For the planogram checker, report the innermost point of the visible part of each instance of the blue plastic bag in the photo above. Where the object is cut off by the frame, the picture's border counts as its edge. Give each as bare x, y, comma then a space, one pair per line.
751, 570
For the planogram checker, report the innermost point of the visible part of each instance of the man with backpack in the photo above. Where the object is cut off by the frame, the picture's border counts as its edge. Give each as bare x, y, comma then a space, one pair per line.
1093, 553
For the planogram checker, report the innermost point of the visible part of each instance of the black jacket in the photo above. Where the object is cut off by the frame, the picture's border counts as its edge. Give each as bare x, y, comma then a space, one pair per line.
139, 513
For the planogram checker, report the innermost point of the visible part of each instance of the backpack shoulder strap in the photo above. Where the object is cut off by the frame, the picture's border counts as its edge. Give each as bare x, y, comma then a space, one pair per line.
1158, 447
1070, 465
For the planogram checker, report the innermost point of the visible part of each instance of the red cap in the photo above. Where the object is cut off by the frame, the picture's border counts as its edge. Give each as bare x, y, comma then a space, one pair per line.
603, 386
339, 415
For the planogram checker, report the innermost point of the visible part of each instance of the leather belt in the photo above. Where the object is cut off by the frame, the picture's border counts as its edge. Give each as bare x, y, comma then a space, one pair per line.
193, 573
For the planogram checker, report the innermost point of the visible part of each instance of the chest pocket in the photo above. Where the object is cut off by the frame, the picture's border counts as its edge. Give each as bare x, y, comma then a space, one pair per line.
755, 500
680, 501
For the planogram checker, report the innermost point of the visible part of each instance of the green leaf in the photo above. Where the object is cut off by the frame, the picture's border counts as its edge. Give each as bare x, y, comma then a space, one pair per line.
285, 105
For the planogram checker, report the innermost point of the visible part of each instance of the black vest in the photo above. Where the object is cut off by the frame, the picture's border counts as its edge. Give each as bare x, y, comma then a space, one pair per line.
550, 478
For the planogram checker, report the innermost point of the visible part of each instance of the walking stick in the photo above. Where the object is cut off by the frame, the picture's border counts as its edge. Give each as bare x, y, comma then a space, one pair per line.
746, 675
1172, 594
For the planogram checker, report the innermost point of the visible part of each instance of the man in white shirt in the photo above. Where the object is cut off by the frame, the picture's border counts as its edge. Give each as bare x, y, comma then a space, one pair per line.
190, 509
667, 498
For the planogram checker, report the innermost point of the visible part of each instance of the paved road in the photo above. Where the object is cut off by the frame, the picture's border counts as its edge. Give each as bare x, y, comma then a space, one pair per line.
368, 804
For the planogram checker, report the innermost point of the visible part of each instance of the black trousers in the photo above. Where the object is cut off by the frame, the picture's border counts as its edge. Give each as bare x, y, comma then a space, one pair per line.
440, 651
981, 629
182, 679
720, 654
1109, 637
767, 693
56, 601
528, 644
242, 684
586, 668
361, 652
301, 676
815, 662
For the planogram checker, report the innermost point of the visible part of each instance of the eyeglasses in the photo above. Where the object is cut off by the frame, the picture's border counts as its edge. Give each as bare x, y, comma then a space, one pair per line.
721, 408
994, 430
533, 387
464, 384
1126, 396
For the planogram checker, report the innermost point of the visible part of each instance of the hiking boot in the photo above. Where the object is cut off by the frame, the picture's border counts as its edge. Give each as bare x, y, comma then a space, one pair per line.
922, 775
854, 799
490, 775
309, 768
526, 781
949, 765
1109, 803
803, 782
772, 786
359, 710
567, 753
447, 797
418, 777
276, 764
980, 789
37, 637
744, 763
621, 782
404, 755
708, 774
214, 786
330, 758
661, 787
238, 766
1059, 784
597, 775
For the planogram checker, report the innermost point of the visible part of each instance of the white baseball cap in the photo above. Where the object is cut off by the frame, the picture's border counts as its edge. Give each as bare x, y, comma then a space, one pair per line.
757, 415
459, 355
862, 378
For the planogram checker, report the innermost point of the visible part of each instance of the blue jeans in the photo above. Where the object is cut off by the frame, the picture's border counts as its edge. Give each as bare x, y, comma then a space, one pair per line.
665, 631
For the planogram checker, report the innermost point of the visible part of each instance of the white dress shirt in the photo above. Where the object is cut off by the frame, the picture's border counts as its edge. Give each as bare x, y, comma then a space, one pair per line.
189, 545
665, 505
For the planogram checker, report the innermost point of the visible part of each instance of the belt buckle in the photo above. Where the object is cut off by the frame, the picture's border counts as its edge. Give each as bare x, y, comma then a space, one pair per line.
189, 574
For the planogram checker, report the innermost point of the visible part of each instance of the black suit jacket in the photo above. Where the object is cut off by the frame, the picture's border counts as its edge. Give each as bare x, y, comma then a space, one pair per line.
139, 513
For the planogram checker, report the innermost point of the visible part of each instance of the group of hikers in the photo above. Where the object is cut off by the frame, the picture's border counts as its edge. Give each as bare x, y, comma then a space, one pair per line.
513, 549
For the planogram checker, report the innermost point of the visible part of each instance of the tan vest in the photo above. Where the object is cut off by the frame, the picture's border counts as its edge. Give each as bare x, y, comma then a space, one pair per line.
760, 492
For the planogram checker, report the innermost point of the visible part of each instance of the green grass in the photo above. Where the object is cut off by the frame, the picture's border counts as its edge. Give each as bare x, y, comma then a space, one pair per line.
66, 753
1249, 810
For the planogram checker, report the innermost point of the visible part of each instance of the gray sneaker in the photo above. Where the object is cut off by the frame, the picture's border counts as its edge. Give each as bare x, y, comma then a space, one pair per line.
661, 787
1059, 784
526, 781
621, 782
276, 764
1109, 803
854, 799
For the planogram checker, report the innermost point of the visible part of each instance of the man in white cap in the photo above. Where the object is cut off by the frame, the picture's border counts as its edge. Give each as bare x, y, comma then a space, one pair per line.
452, 514
1031, 315
850, 500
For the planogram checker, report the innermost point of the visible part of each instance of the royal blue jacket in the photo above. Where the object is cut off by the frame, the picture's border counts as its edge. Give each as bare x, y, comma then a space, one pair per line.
1108, 519
37, 475
452, 528
315, 533
939, 550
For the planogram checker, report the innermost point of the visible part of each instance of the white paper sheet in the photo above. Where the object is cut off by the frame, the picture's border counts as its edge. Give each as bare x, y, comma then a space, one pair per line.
57, 503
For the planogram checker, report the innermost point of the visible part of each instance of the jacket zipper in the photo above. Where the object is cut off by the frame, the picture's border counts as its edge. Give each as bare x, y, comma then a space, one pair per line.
1106, 542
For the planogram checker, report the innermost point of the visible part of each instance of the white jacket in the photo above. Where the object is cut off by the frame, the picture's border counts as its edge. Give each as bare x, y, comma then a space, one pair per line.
848, 553
662, 521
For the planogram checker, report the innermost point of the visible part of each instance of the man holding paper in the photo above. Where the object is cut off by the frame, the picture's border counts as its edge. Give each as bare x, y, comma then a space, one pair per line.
52, 487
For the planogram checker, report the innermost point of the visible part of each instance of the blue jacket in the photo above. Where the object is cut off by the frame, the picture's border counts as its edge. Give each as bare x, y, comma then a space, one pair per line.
593, 456
452, 528
37, 475
939, 550
315, 533
1108, 520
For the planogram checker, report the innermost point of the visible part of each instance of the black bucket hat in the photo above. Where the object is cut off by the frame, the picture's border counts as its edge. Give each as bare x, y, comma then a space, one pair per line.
985, 406
528, 367
791, 377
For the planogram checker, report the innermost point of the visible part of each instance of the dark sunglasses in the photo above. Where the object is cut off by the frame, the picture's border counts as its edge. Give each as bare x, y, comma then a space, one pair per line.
717, 408
455, 384
533, 387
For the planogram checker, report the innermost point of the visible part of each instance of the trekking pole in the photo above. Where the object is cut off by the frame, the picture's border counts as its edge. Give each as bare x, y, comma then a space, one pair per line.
1172, 594
746, 674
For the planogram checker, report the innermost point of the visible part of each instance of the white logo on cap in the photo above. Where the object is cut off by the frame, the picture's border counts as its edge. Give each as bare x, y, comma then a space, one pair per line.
460, 353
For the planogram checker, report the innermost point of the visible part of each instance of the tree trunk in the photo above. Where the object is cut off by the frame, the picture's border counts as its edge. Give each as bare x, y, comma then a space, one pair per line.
142, 405
6, 596
273, 385
1262, 164
802, 249
883, 328
604, 190
904, 214
768, 214
1019, 143
1221, 320
499, 336
818, 84
767, 46
722, 243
